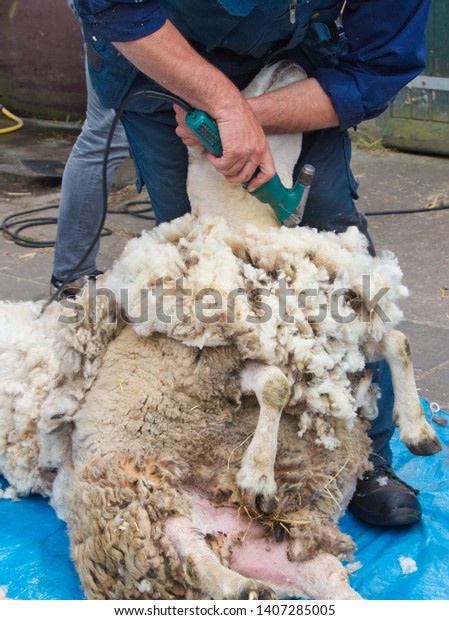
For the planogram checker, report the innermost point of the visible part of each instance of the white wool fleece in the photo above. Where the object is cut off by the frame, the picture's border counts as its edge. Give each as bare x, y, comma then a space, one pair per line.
207, 253
28, 370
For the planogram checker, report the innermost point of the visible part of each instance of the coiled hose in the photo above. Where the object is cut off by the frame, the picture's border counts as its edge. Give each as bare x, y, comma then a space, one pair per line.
18, 121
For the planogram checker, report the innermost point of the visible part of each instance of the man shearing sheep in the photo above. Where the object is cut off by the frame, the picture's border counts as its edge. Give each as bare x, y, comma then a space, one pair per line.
357, 54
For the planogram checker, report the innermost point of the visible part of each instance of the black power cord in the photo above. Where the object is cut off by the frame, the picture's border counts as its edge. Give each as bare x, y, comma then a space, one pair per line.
146, 213
14, 224
150, 94
407, 211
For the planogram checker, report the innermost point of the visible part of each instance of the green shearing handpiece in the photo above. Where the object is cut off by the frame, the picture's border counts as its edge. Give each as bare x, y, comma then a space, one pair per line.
288, 204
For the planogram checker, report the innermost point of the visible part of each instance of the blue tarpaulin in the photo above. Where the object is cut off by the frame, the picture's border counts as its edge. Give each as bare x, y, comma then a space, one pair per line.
35, 559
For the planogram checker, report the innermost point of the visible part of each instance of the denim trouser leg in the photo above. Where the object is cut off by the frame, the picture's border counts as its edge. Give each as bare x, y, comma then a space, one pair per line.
330, 205
80, 207
382, 427
160, 158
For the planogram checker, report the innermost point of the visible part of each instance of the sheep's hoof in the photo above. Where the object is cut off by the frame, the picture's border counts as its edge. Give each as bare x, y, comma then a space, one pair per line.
427, 447
256, 591
258, 501
267, 505
279, 531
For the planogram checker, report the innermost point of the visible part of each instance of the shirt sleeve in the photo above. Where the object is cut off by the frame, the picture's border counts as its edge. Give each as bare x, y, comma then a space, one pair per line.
127, 20
386, 49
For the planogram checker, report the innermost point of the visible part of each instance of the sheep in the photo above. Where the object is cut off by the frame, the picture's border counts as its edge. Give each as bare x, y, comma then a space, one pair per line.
79, 459
153, 419
251, 263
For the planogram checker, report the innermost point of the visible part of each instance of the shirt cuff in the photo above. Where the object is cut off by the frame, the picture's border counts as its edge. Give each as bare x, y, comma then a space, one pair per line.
345, 96
124, 22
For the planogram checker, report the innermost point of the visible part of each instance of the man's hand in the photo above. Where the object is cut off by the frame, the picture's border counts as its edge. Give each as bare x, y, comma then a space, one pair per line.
183, 130
245, 147
243, 152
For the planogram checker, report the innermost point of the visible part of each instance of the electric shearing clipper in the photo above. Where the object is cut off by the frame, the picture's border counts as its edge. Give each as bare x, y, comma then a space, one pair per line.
288, 204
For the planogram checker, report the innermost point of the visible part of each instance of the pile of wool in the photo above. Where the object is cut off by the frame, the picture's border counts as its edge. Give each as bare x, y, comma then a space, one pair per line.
28, 373
47, 363
295, 298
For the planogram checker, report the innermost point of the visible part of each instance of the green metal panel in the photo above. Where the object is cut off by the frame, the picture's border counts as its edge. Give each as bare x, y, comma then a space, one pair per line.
437, 40
419, 117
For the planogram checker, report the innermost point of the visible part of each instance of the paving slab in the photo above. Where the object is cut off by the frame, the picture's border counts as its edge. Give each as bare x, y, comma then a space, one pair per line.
394, 181
397, 181
430, 345
37, 140
434, 386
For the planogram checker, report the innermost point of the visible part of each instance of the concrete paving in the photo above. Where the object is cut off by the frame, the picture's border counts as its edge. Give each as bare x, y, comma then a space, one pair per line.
394, 181
388, 181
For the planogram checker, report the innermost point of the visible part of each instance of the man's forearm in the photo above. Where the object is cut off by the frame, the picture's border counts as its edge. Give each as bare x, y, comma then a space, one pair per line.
168, 58
303, 106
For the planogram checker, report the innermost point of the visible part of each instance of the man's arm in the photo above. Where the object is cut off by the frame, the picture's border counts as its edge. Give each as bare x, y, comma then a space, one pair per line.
386, 50
303, 106
167, 58
142, 33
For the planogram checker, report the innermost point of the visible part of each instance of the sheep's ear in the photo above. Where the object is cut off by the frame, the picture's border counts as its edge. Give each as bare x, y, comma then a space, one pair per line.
273, 77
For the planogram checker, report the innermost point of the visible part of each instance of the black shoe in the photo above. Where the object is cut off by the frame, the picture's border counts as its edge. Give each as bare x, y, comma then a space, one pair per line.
381, 498
74, 287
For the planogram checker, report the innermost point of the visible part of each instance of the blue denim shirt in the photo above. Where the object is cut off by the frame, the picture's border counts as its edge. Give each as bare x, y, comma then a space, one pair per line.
384, 39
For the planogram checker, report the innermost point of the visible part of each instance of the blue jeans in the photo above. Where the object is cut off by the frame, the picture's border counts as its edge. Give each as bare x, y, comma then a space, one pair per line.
80, 206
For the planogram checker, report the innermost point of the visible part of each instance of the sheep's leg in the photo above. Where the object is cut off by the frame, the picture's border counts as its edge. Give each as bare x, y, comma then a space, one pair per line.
324, 578
256, 476
408, 415
203, 569
258, 557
